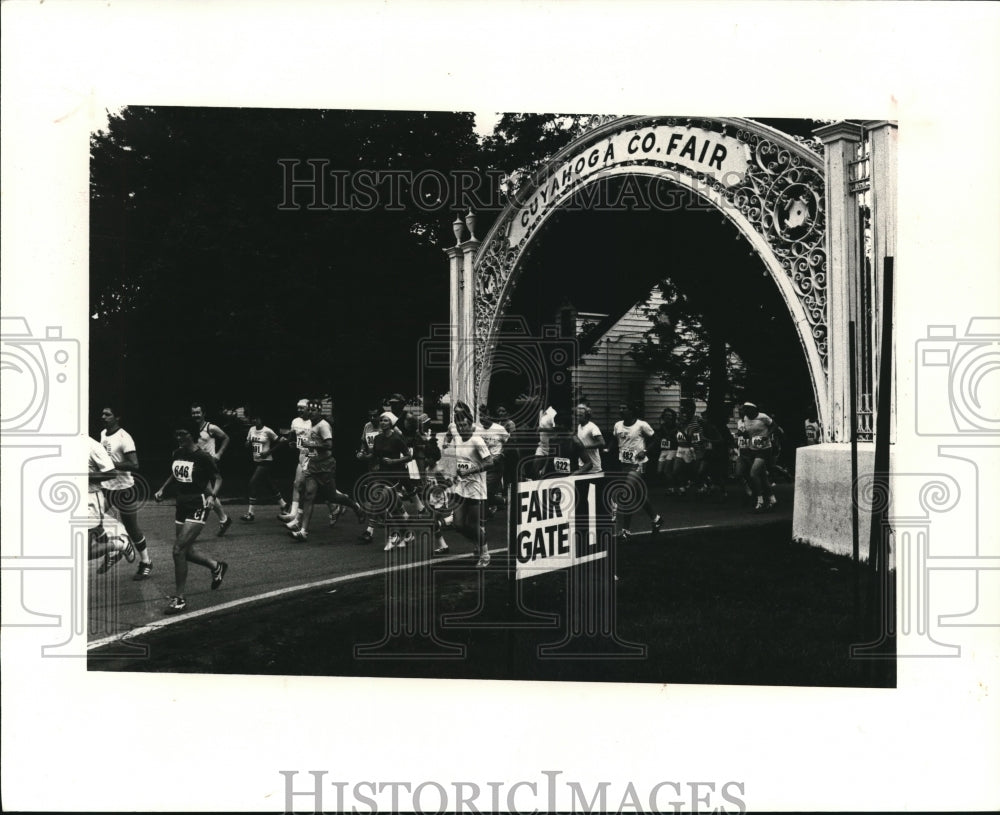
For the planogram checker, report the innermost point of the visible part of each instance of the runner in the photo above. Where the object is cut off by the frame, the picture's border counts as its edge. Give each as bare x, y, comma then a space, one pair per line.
546, 430
261, 441
415, 430
512, 453
366, 453
684, 461
301, 425
495, 435
755, 448
631, 434
120, 492
112, 548
196, 474
472, 459
211, 439
667, 434
590, 442
712, 465
813, 429
320, 472
389, 456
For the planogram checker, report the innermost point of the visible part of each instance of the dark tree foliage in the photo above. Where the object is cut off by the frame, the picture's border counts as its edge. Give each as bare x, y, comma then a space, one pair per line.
203, 288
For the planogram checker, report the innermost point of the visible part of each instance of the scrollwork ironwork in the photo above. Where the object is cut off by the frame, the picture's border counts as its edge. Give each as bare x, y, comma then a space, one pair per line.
782, 197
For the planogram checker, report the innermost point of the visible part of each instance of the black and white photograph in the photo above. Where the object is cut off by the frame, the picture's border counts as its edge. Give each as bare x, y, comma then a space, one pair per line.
564, 387
621, 379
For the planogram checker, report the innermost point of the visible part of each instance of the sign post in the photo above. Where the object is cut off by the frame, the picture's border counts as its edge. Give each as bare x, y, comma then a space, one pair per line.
565, 522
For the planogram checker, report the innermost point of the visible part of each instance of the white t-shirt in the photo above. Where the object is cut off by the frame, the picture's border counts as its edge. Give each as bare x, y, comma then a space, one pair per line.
495, 436
546, 428
588, 434
117, 445
632, 441
470, 455
206, 439
261, 442
301, 428
100, 462
757, 432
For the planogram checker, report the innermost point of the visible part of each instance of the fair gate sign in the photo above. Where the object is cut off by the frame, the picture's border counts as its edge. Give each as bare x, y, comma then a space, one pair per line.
689, 149
555, 524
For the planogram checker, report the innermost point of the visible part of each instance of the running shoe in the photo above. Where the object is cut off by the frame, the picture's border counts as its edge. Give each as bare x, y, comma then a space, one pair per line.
249, 518
110, 559
408, 538
293, 526
335, 515
759, 506
129, 551
287, 516
365, 537
484, 560
772, 502
224, 526
657, 524
441, 548
142, 573
283, 509
218, 573
299, 535
176, 605
624, 536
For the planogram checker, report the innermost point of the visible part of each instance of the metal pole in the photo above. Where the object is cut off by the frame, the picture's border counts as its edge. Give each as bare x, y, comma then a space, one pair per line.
877, 542
853, 406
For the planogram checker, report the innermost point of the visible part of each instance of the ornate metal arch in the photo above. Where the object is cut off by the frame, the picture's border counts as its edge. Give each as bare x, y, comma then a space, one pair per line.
777, 201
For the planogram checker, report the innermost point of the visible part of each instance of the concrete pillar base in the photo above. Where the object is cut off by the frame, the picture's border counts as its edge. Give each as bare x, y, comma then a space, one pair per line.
822, 514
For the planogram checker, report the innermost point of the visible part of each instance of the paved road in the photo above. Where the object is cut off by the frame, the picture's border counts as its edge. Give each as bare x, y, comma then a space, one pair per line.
264, 562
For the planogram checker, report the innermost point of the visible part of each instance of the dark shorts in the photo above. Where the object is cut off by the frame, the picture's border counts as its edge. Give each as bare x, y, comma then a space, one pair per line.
750, 454
325, 484
190, 508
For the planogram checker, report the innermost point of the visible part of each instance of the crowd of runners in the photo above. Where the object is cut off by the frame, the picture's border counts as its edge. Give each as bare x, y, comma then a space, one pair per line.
454, 478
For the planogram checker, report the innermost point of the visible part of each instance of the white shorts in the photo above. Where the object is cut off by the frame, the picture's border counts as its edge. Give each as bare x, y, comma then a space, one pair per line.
685, 454
668, 455
96, 507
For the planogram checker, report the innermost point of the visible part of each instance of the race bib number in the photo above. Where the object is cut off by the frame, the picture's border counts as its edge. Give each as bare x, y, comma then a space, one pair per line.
300, 441
258, 448
370, 439
741, 443
183, 471
464, 467
664, 444
760, 443
198, 514
626, 456
561, 465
